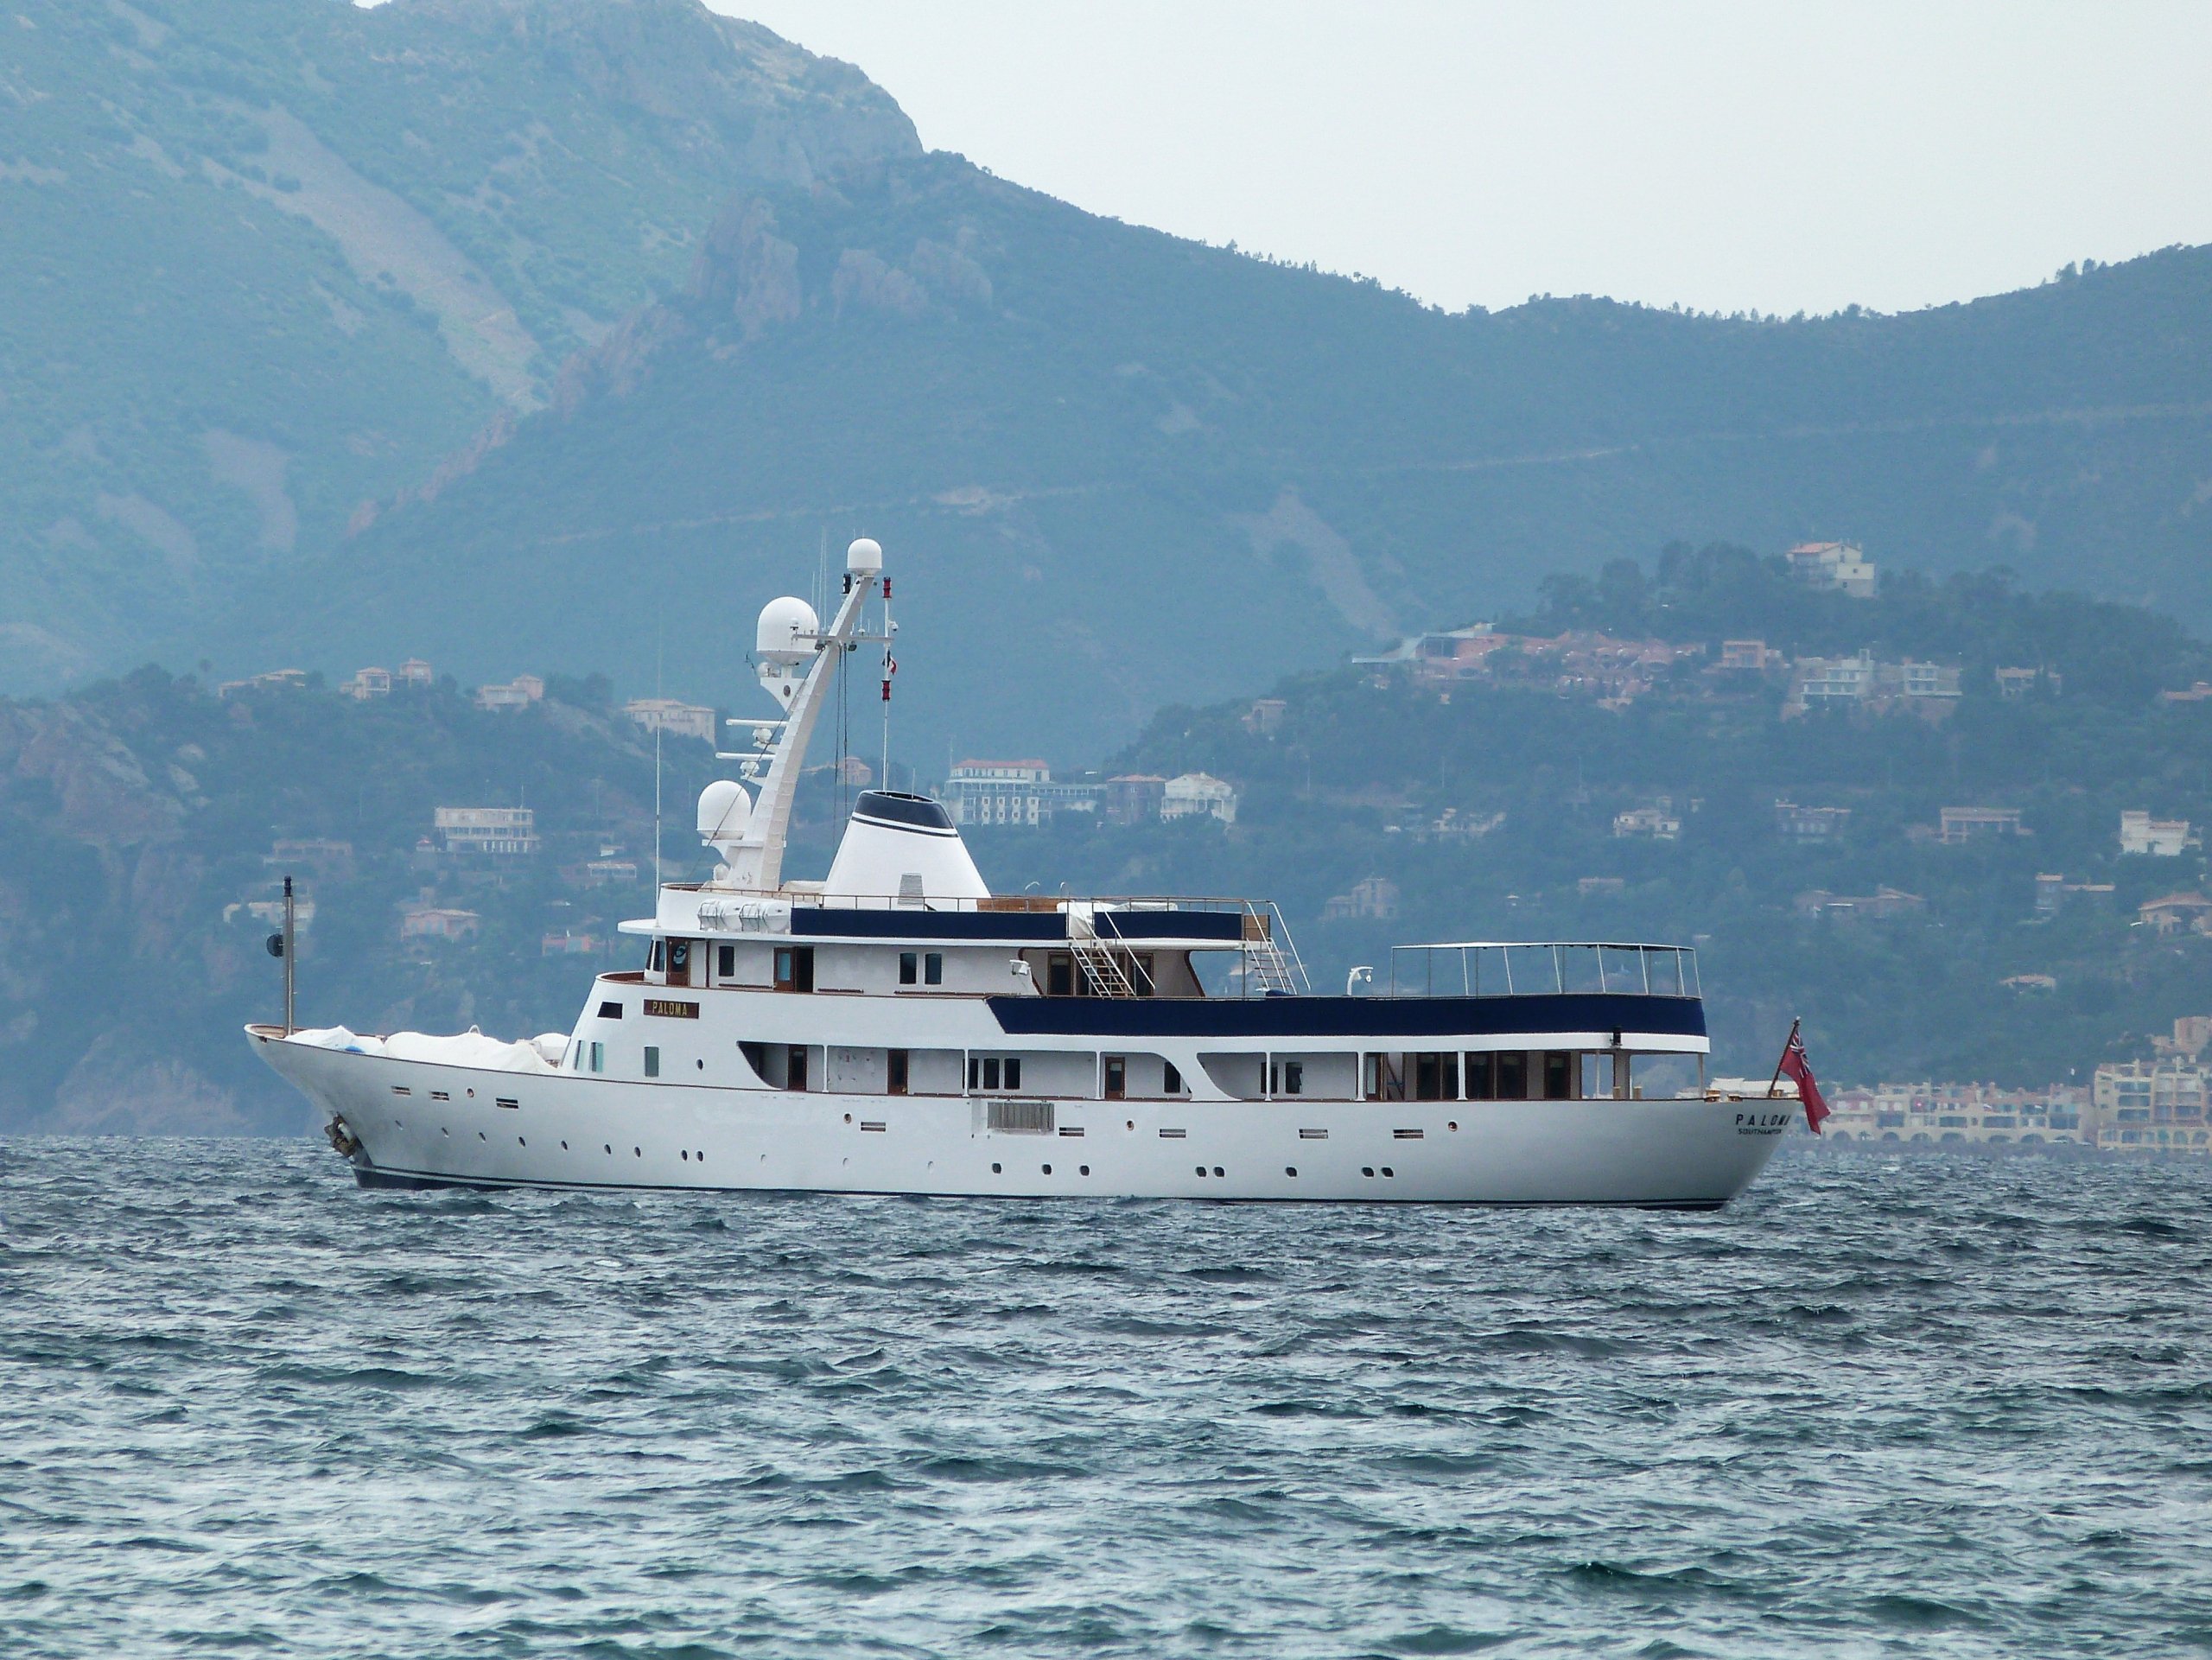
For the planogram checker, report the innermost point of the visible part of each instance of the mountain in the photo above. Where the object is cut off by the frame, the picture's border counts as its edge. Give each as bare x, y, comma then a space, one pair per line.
690, 304
269, 259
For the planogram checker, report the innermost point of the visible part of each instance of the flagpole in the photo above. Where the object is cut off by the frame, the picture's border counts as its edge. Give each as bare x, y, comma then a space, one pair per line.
1775, 1084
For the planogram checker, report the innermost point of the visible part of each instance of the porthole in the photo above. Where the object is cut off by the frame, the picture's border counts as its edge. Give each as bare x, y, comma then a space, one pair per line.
520, 1142
564, 1146
1082, 1170
472, 1095
1454, 1124
638, 1152
1202, 1170
1047, 1169
849, 1118
609, 1146
442, 1131
480, 1134
1132, 1124
701, 1155
1217, 1170
1390, 1173
684, 1154
1290, 1170
1367, 1170
701, 1064
994, 1169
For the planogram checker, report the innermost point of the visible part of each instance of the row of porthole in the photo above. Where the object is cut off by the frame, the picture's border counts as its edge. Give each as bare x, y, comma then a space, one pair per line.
685, 1154
998, 1169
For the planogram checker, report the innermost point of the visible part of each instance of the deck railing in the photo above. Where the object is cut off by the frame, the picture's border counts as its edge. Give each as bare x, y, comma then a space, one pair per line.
1481, 968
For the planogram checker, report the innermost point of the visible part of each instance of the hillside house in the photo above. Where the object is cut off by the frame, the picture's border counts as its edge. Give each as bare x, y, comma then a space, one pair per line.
1371, 899
1882, 905
1195, 795
1957, 824
416, 673
2054, 893
999, 792
2157, 838
671, 717
520, 693
366, 683
2176, 913
1748, 657
1808, 823
1133, 798
1839, 566
437, 922
1658, 821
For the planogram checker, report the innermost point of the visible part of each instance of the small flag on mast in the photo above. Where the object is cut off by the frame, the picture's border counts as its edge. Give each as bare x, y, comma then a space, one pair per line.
1799, 1071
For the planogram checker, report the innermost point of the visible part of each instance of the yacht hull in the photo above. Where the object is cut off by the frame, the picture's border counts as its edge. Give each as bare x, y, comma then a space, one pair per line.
415, 1124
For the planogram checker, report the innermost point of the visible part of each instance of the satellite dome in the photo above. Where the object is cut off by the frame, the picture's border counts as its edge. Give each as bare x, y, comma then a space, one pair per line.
724, 811
781, 620
865, 557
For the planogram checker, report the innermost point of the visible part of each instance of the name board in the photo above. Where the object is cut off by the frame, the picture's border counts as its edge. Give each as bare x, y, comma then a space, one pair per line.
671, 1009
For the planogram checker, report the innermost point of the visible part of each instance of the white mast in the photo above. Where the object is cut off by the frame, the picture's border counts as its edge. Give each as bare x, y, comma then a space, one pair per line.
789, 636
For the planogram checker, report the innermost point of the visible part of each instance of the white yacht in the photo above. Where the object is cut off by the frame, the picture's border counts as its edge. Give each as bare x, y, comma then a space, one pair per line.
896, 1027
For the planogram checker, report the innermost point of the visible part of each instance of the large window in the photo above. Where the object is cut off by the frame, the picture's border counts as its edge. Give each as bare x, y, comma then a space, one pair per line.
1513, 1075
909, 967
1558, 1075
933, 969
1436, 1078
794, 968
988, 1072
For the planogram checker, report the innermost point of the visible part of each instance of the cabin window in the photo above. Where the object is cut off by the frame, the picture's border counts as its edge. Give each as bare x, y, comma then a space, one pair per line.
1558, 1075
652, 1061
1436, 1078
1141, 980
1116, 1077
1482, 1076
1513, 1075
897, 1067
1294, 1078
1385, 1078
794, 968
1013, 1071
933, 969
659, 960
1171, 1079
598, 1057
795, 1067
679, 962
909, 967
1060, 974
725, 963
610, 1011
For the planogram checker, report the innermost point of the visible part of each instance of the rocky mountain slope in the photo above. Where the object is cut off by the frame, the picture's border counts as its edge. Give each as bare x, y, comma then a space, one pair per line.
269, 259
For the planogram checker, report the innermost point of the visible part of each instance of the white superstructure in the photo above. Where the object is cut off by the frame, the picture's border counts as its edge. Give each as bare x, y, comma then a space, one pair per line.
896, 1027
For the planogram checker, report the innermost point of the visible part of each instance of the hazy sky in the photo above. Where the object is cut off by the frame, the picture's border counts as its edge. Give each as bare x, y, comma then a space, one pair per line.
1780, 154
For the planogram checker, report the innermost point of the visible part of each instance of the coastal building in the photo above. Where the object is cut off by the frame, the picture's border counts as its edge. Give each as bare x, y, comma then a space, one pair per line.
998, 792
416, 673
317, 857
2158, 838
673, 718
2018, 682
1931, 1114
2153, 1106
1264, 718
2191, 1033
275, 680
1748, 657
501, 831
1839, 566
2198, 692
1198, 795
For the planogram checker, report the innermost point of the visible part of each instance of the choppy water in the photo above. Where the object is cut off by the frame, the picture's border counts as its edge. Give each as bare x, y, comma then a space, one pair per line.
1926, 1406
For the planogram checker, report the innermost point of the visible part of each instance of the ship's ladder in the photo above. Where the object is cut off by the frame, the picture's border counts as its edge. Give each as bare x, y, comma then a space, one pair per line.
1271, 959
1100, 967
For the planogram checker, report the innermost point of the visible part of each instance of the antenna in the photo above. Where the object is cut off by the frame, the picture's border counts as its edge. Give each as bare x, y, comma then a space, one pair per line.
660, 724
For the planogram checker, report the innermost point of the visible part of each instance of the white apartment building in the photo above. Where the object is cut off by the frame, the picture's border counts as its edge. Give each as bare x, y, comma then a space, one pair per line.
677, 720
2150, 1106
1191, 795
1841, 565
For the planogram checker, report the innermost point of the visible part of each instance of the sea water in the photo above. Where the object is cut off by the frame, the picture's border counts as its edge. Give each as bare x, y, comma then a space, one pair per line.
1881, 1405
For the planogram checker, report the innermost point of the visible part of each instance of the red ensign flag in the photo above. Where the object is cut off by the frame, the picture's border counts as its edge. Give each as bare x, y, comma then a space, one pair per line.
1800, 1071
